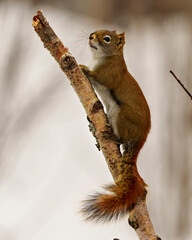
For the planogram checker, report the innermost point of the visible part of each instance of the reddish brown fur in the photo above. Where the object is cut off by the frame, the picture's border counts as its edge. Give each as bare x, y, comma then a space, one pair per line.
132, 124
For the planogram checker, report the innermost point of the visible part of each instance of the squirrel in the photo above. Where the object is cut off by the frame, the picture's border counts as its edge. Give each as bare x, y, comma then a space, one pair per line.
129, 115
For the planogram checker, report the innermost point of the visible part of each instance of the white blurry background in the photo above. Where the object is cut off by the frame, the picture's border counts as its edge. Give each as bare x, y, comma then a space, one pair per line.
48, 158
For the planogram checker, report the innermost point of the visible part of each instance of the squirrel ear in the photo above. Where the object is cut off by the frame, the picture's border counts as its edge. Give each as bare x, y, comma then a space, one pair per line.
122, 36
121, 42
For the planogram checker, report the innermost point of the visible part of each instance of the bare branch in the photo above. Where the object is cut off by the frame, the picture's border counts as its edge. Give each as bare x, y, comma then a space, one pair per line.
83, 88
139, 217
139, 220
182, 85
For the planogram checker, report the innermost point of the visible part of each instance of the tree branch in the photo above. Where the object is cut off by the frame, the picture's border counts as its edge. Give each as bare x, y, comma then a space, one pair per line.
82, 87
138, 217
182, 85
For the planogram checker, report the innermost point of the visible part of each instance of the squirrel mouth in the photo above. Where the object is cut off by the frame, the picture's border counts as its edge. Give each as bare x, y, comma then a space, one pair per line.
92, 45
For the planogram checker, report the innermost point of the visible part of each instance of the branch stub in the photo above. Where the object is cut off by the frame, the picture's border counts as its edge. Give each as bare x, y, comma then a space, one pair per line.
67, 62
133, 222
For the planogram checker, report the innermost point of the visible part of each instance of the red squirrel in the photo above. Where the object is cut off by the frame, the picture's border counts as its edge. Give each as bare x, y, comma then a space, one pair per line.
129, 115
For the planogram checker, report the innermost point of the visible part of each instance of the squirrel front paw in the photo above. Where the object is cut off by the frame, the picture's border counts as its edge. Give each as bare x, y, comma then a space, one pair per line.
84, 69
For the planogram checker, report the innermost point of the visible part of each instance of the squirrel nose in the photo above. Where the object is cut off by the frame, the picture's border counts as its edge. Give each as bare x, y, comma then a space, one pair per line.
92, 36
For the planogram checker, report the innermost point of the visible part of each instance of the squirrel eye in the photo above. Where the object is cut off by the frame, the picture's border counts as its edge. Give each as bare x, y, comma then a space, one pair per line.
107, 39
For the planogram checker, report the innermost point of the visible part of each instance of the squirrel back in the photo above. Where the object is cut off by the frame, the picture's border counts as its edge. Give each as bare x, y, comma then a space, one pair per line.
129, 115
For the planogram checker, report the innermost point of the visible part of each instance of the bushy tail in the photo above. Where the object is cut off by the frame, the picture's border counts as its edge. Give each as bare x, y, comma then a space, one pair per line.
119, 199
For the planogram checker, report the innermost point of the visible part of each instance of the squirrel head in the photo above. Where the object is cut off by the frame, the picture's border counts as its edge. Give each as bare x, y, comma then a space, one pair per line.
106, 43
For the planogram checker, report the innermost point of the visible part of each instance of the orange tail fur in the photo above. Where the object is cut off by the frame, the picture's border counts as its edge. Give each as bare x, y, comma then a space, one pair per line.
120, 198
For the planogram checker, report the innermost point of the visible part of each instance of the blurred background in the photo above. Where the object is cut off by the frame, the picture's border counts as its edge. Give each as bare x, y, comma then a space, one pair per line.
48, 158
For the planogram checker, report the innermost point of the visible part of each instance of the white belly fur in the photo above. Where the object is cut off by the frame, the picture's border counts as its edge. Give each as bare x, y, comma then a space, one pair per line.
111, 107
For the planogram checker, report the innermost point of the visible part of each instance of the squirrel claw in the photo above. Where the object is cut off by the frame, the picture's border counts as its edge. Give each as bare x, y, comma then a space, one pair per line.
84, 68
108, 126
106, 135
